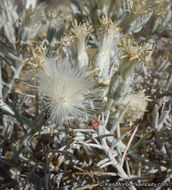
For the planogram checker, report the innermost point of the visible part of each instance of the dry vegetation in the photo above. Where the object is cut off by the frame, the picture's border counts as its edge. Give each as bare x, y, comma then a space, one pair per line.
85, 95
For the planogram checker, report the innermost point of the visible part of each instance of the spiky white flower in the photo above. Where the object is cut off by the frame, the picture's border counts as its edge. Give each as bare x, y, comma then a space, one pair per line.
65, 89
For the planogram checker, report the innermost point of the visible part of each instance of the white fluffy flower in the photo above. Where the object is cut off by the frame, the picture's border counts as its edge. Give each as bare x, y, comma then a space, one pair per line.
65, 89
137, 103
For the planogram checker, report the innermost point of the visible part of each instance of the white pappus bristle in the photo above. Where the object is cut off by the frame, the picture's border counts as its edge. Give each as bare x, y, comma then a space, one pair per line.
65, 89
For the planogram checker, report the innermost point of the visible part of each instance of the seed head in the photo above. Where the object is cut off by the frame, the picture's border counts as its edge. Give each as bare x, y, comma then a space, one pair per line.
65, 89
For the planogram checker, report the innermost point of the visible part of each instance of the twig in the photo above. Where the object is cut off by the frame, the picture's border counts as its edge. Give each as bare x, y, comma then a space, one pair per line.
128, 145
15, 76
122, 113
113, 161
3, 105
95, 173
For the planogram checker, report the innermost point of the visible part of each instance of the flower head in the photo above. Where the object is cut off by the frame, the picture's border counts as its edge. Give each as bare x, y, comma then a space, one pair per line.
37, 55
132, 50
137, 103
109, 38
80, 31
110, 34
65, 89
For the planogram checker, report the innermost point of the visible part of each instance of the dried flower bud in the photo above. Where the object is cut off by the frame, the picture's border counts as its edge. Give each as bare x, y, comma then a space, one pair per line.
132, 50
80, 32
38, 57
132, 55
109, 39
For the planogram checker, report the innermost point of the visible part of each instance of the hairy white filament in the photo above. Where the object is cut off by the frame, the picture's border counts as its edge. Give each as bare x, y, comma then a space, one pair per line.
65, 89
